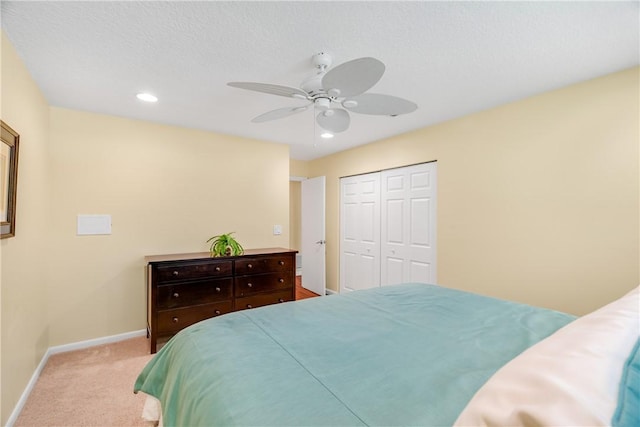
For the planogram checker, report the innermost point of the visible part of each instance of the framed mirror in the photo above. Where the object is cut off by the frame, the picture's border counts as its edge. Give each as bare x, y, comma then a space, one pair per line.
8, 180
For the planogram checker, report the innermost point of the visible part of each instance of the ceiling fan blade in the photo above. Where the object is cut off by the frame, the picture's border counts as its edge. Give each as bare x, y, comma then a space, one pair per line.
353, 77
279, 114
335, 120
287, 91
377, 104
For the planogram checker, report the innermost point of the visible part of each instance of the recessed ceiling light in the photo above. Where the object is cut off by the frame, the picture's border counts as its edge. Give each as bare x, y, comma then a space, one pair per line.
326, 135
147, 97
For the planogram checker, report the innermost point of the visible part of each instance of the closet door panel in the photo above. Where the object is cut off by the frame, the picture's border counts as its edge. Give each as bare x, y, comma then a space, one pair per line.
392, 271
419, 272
360, 232
408, 232
394, 222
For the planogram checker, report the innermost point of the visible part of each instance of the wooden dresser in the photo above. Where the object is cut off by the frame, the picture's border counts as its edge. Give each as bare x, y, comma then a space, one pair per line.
183, 289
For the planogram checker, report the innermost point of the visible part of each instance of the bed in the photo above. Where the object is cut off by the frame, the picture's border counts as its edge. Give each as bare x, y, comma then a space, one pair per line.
410, 354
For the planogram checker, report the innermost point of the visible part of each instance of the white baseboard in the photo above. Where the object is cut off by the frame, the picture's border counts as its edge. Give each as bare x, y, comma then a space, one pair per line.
330, 292
61, 349
96, 341
27, 391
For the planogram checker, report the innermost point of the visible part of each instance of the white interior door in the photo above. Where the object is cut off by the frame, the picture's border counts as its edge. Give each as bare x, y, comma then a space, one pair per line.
408, 198
313, 234
360, 232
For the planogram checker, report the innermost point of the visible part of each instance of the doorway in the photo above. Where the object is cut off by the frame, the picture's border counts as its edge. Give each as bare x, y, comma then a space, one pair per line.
307, 231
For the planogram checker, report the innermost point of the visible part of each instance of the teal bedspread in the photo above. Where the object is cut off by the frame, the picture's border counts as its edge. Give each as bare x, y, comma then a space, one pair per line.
410, 355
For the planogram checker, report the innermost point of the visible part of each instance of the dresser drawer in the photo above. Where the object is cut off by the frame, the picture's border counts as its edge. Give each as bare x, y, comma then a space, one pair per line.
247, 265
174, 320
248, 285
197, 292
259, 300
221, 268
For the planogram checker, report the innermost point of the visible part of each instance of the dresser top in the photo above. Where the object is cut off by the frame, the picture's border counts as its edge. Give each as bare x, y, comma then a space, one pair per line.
207, 255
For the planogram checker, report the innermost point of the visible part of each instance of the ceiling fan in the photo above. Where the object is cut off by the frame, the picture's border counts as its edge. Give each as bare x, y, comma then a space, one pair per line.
328, 90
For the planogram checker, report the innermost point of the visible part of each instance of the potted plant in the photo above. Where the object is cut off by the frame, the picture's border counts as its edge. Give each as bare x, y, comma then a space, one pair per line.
225, 245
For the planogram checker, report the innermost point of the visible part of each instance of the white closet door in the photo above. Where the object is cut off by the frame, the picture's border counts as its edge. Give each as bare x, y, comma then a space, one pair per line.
408, 224
360, 232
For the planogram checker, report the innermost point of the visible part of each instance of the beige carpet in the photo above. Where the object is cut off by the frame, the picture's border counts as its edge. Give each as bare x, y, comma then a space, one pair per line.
91, 387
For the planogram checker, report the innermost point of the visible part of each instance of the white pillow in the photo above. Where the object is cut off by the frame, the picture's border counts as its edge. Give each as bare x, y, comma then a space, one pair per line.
571, 378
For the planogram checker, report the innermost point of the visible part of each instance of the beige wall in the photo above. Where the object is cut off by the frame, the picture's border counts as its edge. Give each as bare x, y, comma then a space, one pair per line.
295, 207
297, 169
23, 298
537, 200
167, 189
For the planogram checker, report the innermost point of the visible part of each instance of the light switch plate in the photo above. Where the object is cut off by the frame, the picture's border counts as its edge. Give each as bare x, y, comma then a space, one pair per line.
277, 230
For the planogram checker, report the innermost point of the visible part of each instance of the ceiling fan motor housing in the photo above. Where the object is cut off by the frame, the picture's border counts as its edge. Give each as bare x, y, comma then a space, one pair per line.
313, 85
322, 103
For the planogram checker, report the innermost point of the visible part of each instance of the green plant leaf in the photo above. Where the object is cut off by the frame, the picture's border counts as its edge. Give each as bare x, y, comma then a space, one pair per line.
221, 242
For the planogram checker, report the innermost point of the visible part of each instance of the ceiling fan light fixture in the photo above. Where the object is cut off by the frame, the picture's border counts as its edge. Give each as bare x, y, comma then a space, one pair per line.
326, 135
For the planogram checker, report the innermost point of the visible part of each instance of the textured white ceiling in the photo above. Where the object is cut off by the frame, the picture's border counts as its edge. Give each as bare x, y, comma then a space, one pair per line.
451, 58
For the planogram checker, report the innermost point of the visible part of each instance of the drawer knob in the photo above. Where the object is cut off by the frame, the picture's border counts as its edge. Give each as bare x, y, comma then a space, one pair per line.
281, 280
176, 295
175, 320
175, 272
249, 285
217, 268
218, 289
249, 266
281, 262
216, 312
249, 306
